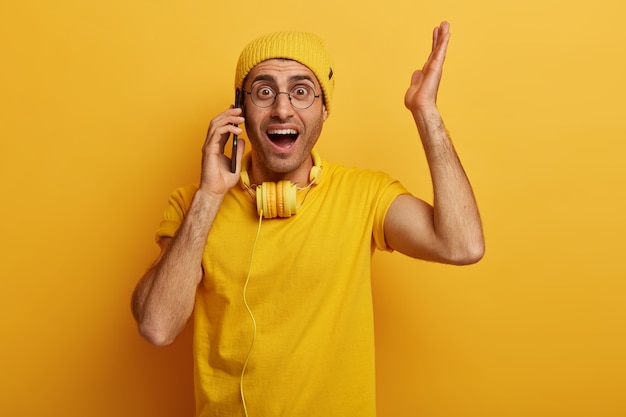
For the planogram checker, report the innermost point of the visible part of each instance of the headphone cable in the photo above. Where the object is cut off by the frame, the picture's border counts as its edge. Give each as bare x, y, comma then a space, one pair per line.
254, 327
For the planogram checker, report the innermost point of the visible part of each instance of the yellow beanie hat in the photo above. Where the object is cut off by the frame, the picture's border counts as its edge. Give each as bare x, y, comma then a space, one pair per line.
305, 48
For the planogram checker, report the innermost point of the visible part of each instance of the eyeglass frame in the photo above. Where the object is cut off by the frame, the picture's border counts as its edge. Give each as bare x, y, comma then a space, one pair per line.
276, 97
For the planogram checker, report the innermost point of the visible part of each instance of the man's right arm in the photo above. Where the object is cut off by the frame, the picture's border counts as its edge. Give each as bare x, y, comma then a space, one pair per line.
163, 299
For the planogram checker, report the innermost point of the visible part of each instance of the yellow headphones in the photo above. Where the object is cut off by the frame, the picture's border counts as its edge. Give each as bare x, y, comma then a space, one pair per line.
279, 199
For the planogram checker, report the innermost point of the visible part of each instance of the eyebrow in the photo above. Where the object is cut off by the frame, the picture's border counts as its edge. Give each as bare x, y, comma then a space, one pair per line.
292, 79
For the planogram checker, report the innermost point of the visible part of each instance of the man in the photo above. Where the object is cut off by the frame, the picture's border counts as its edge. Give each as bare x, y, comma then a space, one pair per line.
282, 307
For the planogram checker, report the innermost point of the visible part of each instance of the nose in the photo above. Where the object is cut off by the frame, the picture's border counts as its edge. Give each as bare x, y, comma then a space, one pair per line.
282, 107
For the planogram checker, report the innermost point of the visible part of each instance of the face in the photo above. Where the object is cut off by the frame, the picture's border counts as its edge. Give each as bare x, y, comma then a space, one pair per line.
282, 136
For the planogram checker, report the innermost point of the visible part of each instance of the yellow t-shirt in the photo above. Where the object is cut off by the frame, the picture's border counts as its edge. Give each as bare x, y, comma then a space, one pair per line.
309, 292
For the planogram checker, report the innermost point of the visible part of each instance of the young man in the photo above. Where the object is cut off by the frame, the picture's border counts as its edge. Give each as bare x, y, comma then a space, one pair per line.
274, 259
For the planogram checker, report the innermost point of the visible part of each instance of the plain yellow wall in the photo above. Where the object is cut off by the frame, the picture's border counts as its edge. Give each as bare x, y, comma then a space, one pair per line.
104, 105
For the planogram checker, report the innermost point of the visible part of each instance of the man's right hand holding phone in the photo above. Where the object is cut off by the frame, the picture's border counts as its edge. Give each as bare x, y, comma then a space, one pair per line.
217, 176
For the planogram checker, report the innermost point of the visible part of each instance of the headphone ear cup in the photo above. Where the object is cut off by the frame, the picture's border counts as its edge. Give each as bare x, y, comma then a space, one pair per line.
269, 200
286, 200
259, 200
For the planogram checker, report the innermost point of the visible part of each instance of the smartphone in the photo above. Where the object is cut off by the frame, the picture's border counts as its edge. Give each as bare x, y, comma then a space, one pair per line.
233, 164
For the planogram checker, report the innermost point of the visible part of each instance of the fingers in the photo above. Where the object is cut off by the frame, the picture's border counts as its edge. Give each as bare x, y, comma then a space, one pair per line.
241, 147
424, 87
443, 37
216, 176
221, 127
435, 40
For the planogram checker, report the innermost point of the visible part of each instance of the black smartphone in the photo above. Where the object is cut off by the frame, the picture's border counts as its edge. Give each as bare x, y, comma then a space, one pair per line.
233, 164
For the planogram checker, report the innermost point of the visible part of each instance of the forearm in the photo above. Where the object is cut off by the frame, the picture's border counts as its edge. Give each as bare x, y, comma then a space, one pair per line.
165, 296
456, 219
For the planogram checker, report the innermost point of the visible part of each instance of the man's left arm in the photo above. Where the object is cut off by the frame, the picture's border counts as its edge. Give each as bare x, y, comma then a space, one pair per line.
449, 231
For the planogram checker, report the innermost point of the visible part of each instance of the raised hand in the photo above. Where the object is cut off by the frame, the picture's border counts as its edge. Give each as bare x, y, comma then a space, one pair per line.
422, 93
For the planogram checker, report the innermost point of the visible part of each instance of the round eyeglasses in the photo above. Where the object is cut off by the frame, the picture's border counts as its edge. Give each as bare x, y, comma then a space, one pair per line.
301, 96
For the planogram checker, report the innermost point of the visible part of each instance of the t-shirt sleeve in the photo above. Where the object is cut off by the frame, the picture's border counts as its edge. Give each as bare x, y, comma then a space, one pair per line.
177, 208
390, 192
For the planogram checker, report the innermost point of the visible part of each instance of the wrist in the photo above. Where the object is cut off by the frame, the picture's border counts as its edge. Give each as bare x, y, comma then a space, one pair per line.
426, 112
207, 197
428, 120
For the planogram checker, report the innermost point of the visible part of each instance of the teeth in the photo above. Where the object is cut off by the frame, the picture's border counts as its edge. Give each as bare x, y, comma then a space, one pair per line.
282, 132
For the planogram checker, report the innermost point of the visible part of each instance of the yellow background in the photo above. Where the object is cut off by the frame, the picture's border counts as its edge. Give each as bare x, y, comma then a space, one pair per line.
104, 107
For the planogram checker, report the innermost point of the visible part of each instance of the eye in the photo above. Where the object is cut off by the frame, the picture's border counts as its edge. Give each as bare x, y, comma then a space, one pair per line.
264, 92
300, 91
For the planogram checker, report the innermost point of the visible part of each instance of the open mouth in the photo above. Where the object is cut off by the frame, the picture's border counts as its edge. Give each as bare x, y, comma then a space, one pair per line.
283, 138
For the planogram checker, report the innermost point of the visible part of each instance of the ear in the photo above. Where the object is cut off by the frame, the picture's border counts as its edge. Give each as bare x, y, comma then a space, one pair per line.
324, 113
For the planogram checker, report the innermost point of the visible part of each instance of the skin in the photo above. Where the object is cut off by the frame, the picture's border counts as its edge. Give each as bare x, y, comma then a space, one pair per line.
449, 231
269, 161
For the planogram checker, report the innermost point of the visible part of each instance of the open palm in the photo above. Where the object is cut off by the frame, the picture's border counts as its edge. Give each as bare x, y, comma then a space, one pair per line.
422, 92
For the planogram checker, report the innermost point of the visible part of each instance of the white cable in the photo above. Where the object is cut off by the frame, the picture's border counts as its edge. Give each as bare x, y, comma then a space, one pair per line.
245, 302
